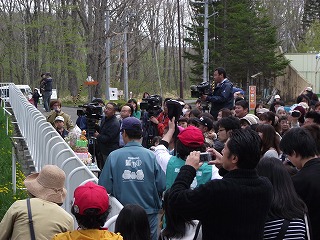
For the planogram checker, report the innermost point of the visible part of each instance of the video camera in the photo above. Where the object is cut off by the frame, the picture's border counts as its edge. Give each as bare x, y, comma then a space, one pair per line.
201, 89
91, 111
174, 109
151, 104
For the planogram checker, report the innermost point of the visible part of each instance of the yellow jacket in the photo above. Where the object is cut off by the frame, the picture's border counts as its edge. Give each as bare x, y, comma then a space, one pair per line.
88, 234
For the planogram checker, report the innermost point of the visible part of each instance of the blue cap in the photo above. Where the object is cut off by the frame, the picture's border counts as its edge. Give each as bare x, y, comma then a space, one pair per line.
131, 123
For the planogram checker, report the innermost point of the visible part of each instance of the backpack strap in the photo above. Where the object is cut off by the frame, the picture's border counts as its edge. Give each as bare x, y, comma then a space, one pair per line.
30, 220
197, 231
283, 229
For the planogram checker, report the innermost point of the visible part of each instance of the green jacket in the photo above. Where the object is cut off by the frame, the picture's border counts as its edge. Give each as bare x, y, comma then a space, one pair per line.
204, 173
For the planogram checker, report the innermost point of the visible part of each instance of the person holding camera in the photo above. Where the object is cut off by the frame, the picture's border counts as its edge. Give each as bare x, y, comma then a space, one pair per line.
188, 140
235, 207
55, 106
162, 119
222, 95
108, 134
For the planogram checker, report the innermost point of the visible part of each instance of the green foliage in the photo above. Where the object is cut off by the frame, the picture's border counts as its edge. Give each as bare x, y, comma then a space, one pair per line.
6, 194
311, 40
241, 39
310, 14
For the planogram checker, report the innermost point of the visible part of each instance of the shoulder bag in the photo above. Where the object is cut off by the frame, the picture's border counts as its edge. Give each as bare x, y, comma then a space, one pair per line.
30, 220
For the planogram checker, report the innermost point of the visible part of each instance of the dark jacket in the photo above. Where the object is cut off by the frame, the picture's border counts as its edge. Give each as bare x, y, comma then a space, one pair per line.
48, 85
108, 138
234, 207
222, 97
36, 96
64, 133
307, 185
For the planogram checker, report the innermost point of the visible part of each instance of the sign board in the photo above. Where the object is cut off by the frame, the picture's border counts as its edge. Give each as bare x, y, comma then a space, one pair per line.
113, 93
252, 97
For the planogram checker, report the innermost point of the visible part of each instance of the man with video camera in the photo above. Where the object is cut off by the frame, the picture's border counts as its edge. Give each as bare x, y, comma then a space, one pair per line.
162, 119
222, 95
108, 134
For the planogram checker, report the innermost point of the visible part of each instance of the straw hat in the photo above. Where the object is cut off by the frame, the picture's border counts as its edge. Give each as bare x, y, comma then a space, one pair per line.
48, 184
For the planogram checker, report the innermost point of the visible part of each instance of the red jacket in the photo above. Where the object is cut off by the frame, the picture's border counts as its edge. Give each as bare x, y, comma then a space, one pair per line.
163, 123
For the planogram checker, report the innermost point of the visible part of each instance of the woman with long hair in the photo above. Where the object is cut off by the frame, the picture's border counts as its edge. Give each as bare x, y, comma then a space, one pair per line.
132, 223
270, 140
286, 218
136, 112
177, 228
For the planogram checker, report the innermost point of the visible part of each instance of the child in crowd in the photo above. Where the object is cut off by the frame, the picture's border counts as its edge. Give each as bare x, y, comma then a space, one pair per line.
90, 208
59, 125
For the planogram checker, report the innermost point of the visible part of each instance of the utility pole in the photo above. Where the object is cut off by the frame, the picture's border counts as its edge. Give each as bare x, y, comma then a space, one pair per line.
125, 62
205, 37
107, 55
180, 63
205, 42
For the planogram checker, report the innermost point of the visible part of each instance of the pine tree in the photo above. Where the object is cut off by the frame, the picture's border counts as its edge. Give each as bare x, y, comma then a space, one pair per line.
311, 13
241, 39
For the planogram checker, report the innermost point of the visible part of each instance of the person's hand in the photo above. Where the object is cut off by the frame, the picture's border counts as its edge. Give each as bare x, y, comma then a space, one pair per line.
172, 124
95, 134
204, 97
194, 160
216, 156
57, 109
154, 120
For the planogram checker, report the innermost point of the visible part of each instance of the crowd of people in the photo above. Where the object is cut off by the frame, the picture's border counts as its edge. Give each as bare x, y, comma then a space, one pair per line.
222, 174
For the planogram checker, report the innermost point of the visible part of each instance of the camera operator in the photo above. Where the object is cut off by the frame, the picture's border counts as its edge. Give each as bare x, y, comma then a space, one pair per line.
150, 107
222, 96
108, 134
82, 115
162, 120
188, 140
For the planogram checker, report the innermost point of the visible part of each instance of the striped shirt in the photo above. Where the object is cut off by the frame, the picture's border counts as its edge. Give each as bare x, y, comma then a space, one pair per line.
296, 229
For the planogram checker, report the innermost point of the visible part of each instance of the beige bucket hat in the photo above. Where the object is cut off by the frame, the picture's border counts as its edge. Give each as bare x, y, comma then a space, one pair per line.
48, 184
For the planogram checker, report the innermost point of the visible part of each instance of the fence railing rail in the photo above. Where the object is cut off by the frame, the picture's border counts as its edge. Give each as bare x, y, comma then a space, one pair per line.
46, 146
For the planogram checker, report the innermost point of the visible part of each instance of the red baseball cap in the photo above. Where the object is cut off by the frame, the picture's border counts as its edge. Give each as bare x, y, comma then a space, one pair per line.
191, 137
88, 196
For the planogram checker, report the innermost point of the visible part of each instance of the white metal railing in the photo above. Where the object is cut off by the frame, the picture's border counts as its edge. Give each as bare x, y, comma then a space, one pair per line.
46, 146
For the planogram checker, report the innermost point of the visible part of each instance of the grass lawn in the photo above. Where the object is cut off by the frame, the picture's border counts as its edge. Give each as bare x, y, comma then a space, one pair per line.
6, 194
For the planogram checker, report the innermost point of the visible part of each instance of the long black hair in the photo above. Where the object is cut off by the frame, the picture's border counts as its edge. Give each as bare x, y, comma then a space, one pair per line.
285, 202
270, 139
132, 223
175, 223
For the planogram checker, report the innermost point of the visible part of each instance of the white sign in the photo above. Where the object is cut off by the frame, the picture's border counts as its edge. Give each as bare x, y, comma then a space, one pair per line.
113, 93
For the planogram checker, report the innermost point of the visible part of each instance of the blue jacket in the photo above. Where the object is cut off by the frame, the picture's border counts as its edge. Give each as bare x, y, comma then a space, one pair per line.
132, 175
222, 97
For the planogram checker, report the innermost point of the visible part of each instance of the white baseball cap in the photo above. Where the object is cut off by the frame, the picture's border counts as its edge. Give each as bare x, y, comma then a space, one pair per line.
277, 96
59, 118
